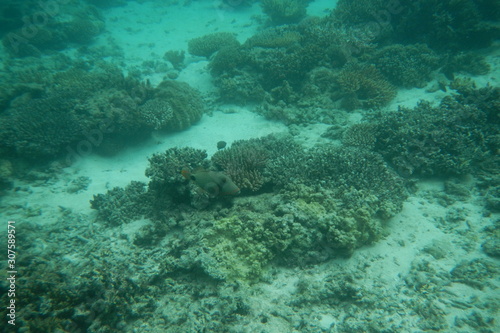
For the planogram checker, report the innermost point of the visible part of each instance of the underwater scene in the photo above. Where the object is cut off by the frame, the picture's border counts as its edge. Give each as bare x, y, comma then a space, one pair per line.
250, 166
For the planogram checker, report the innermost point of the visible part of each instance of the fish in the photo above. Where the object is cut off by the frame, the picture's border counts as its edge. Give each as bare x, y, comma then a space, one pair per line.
215, 183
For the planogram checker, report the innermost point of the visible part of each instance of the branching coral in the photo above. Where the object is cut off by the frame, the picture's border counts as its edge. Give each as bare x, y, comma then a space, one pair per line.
363, 87
120, 205
156, 113
444, 140
243, 163
449, 25
407, 65
360, 135
207, 45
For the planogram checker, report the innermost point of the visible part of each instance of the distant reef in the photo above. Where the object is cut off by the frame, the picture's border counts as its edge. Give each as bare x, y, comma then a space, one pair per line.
77, 109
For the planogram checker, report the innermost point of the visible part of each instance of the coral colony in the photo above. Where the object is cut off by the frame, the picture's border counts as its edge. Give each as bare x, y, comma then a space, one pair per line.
375, 210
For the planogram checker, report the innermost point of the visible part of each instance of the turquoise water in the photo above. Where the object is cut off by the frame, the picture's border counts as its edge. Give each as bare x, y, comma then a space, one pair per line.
250, 166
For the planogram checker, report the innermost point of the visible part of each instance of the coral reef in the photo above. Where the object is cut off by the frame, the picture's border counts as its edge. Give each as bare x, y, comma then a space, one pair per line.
299, 223
82, 31
157, 113
363, 135
444, 140
284, 11
406, 65
228, 60
283, 36
243, 162
81, 24
239, 89
185, 102
207, 45
166, 182
363, 87
92, 110
450, 25
466, 62
120, 205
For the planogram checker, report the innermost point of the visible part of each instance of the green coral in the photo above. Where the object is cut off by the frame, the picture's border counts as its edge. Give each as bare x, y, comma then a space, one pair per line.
228, 60
239, 89
466, 62
240, 247
207, 45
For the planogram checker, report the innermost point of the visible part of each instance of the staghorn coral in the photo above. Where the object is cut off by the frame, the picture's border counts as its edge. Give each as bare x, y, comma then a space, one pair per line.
406, 65
363, 87
207, 45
